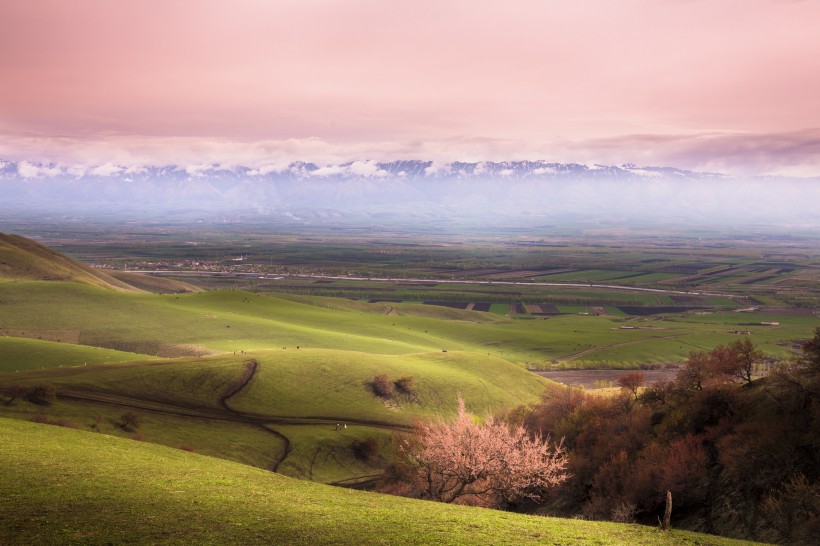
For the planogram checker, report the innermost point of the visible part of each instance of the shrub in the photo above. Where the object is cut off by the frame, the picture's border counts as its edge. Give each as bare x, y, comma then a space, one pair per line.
366, 450
43, 394
405, 385
130, 421
14, 392
46, 420
382, 386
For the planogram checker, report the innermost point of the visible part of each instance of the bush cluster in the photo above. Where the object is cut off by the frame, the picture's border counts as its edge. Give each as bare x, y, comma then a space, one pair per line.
739, 454
42, 395
383, 387
366, 450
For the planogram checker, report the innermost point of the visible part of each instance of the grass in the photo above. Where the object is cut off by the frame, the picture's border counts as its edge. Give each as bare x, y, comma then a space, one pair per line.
60, 486
25, 354
300, 392
228, 321
231, 440
334, 384
316, 357
27, 259
321, 453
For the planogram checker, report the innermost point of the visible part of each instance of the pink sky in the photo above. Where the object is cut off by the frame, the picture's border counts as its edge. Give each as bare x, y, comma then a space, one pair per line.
726, 85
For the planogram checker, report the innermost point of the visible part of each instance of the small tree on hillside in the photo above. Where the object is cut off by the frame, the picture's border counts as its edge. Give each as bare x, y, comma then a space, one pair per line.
490, 464
130, 421
809, 360
42, 395
697, 372
14, 392
738, 359
631, 382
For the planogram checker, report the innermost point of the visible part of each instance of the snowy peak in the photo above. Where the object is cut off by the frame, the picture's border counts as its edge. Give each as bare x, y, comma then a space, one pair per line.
365, 169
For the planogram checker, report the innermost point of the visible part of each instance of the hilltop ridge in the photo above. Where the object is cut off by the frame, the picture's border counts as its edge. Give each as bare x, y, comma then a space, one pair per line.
24, 259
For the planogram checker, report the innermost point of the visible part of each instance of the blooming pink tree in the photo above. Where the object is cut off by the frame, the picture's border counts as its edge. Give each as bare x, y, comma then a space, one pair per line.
489, 464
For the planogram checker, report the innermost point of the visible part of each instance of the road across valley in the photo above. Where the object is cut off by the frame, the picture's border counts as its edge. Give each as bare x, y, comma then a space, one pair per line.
229, 274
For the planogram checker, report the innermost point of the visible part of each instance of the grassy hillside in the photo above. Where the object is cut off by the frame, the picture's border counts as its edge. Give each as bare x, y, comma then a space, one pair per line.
157, 285
226, 321
18, 354
22, 258
284, 410
60, 486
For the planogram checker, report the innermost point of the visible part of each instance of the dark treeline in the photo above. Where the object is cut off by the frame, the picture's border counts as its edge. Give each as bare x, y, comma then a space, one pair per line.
740, 455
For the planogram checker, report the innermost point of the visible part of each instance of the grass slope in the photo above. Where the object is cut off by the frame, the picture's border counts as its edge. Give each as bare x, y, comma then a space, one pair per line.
22, 258
299, 394
59, 486
157, 285
19, 354
227, 321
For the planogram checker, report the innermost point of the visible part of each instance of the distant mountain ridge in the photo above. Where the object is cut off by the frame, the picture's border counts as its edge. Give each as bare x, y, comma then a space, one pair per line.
295, 171
509, 191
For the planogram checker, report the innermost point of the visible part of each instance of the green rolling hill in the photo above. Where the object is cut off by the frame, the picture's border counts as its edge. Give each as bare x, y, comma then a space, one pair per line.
61, 486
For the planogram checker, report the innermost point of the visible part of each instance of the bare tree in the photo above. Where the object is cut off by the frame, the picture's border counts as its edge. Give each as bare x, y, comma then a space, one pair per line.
130, 421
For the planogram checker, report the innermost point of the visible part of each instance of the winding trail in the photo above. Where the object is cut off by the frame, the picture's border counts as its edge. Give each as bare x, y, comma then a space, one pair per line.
251, 366
221, 413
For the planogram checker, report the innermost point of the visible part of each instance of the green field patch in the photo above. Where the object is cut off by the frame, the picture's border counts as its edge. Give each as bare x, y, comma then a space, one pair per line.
500, 308
721, 302
574, 309
645, 278
615, 311
585, 275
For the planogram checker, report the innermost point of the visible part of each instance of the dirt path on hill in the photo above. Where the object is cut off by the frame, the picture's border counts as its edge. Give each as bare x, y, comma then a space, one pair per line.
250, 370
222, 413
251, 367
205, 412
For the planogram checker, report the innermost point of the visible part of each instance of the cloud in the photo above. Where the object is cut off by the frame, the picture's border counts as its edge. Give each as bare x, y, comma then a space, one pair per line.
106, 169
436, 168
329, 170
29, 170
270, 168
794, 153
356, 168
366, 168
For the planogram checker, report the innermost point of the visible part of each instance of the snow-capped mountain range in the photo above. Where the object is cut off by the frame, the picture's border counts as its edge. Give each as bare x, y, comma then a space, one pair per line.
425, 189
